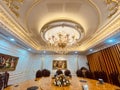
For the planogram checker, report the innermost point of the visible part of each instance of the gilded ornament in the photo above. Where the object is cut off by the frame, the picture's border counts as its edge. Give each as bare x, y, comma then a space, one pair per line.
12, 5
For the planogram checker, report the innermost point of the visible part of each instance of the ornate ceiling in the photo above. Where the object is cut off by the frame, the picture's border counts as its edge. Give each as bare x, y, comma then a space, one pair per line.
24, 20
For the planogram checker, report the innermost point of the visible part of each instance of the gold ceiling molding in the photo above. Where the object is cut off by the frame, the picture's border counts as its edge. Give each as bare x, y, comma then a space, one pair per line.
13, 28
12, 5
113, 6
103, 34
38, 1
77, 25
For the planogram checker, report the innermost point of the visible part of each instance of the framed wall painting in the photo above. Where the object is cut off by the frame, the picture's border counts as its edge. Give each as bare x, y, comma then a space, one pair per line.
59, 64
8, 62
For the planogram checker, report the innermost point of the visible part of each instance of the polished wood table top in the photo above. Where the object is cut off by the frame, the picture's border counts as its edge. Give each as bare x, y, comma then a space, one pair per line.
46, 83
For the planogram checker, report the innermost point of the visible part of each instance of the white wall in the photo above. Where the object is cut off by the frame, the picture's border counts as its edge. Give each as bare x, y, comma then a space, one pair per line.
74, 62
35, 64
29, 63
22, 68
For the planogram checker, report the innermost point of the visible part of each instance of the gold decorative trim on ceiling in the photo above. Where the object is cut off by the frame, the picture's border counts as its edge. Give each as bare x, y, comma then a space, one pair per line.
12, 6
62, 20
112, 8
104, 33
13, 28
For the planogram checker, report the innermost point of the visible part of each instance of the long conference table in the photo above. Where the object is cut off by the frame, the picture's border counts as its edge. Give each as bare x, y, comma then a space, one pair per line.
46, 83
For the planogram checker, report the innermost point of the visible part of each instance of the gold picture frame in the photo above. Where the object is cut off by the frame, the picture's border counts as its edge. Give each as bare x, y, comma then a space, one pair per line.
59, 64
8, 62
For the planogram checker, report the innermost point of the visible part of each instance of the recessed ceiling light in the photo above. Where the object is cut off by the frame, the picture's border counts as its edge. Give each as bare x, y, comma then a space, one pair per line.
12, 39
29, 49
91, 50
76, 52
110, 40
44, 52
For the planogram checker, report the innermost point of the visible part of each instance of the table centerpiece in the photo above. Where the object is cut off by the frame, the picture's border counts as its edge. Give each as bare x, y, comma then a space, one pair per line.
61, 80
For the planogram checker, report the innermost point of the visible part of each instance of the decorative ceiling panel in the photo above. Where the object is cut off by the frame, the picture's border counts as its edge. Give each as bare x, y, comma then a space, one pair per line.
25, 18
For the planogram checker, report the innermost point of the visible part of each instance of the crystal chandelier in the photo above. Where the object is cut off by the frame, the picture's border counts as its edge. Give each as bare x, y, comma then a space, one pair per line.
62, 36
62, 40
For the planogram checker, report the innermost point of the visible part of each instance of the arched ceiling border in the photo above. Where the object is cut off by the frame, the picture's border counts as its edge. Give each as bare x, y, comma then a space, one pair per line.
38, 1
29, 11
98, 11
99, 15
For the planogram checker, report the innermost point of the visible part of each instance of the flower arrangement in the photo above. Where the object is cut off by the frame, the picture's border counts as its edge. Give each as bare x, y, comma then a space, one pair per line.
61, 80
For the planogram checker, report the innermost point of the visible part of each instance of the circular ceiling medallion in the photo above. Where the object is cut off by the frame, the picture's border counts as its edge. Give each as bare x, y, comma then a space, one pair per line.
62, 33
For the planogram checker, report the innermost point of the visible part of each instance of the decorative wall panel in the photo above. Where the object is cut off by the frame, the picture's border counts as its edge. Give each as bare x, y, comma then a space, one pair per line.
107, 60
